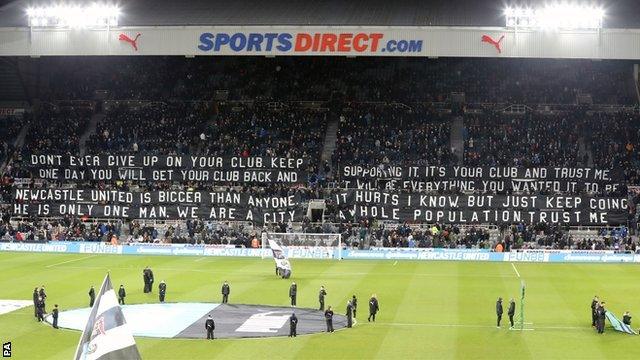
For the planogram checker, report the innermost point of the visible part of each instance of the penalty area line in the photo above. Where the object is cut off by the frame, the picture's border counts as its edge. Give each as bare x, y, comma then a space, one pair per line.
69, 261
516, 270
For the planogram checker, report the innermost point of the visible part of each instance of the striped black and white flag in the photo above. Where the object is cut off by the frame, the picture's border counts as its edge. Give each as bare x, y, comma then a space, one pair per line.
106, 335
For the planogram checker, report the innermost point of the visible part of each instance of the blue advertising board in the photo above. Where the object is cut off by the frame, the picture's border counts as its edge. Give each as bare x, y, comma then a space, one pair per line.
564, 256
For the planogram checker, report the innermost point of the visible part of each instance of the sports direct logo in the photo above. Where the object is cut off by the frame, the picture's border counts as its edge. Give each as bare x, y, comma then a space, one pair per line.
306, 43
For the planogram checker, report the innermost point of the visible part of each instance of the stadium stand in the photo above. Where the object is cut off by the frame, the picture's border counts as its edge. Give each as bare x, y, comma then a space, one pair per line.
386, 113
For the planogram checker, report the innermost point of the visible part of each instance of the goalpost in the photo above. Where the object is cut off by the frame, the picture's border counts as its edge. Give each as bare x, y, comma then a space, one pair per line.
324, 246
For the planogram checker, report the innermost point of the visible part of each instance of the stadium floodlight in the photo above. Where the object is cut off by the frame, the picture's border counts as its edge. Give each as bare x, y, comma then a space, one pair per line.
555, 16
74, 16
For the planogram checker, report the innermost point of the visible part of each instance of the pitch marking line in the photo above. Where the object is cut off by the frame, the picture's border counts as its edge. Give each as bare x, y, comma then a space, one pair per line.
200, 259
72, 260
497, 276
516, 270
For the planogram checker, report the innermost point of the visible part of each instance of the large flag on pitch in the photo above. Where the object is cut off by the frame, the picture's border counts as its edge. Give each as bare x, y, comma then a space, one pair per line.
106, 335
619, 325
282, 263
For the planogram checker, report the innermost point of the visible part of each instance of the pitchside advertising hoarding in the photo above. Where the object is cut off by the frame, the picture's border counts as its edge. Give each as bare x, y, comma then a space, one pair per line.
418, 254
430, 41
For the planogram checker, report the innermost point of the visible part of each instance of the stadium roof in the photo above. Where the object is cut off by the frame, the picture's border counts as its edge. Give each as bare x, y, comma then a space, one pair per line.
620, 13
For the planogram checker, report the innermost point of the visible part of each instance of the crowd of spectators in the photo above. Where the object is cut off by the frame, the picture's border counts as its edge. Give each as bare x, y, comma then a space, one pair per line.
395, 127
522, 140
9, 128
63, 229
161, 128
57, 128
436, 236
615, 142
555, 237
260, 131
217, 130
386, 136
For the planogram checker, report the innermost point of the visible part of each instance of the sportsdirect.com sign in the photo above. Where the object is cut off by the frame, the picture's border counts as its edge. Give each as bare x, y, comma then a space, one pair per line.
306, 43
288, 40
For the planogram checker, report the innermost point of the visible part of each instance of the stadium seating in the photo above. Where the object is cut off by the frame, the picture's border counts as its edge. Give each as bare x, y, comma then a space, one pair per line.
387, 113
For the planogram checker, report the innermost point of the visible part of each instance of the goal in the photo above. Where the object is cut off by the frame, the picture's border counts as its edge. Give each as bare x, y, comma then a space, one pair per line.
300, 245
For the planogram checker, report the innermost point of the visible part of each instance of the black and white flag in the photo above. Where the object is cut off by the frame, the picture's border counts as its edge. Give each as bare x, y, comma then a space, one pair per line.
279, 256
106, 335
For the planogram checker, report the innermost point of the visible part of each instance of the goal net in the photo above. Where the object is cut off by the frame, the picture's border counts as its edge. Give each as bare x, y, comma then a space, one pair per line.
303, 245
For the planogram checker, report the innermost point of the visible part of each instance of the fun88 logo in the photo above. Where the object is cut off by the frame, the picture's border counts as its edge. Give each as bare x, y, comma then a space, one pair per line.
99, 248
306, 43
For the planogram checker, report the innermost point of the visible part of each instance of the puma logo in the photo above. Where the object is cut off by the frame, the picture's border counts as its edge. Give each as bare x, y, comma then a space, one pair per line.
133, 42
496, 44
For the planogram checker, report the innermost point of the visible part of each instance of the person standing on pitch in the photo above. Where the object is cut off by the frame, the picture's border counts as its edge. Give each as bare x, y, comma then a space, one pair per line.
511, 311
354, 305
601, 316
40, 309
293, 325
150, 279
349, 314
92, 296
328, 316
321, 294
293, 293
43, 295
121, 295
54, 315
209, 325
145, 278
374, 307
162, 290
35, 302
225, 292
499, 310
594, 315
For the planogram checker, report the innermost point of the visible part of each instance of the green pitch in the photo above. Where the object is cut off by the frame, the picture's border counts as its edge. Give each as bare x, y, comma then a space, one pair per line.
427, 309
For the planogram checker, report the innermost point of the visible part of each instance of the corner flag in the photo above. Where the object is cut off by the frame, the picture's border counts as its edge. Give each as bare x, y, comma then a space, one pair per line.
619, 325
106, 335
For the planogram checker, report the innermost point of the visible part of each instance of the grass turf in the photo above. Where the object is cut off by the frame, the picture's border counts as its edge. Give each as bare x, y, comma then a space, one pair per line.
428, 309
